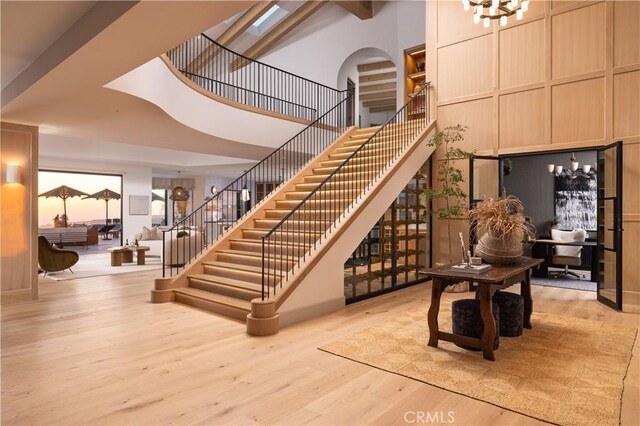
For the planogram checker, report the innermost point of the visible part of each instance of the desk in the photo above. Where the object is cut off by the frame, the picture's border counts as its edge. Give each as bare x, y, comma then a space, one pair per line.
498, 277
548, 253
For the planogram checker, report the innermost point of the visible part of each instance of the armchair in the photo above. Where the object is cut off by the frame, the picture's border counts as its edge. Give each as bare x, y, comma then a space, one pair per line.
52, 259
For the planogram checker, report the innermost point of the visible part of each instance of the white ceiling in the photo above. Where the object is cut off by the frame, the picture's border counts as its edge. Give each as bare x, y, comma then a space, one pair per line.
21, 44
69, 100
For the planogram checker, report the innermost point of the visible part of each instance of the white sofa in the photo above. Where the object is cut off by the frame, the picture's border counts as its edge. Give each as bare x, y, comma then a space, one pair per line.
155, 246
179, 251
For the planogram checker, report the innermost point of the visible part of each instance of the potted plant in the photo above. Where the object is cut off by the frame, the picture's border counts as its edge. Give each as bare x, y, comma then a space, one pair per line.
505, 228
449, 178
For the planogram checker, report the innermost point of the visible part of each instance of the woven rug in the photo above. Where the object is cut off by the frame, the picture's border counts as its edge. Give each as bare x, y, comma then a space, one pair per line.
565, 370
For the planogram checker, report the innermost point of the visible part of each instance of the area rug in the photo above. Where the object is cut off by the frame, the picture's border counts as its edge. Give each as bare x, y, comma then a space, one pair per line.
565, 370
95, 265
584, 284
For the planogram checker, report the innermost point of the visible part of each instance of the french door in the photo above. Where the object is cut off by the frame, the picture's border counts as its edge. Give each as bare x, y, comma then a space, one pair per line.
485, 181
610, 225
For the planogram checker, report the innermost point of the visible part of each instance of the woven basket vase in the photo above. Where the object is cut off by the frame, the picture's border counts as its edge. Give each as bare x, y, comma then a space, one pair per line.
500, 251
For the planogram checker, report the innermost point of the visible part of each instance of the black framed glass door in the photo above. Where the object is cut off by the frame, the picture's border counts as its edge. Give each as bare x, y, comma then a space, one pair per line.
485, 181
610, 225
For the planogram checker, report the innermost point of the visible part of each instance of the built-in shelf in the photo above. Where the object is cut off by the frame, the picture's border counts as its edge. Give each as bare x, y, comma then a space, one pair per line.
415, 75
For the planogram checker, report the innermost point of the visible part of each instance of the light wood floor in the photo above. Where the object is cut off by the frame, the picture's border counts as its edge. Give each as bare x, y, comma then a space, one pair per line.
95, 351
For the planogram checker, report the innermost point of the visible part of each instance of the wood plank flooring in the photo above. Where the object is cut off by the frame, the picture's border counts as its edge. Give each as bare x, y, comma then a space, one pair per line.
95, 351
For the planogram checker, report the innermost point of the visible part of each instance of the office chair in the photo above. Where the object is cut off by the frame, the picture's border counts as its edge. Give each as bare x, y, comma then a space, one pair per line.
567, 255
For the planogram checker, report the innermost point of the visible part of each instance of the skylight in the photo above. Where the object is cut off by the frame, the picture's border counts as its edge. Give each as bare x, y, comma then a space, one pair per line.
266, 15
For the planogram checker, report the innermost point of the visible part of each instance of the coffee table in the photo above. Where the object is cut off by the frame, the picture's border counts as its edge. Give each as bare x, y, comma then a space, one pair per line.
498, 277
124, 254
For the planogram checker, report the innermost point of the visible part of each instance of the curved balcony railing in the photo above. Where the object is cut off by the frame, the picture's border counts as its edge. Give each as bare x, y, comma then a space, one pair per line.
240, 79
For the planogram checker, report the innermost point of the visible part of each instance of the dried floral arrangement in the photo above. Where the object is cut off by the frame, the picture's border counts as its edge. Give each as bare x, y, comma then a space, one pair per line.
502, 217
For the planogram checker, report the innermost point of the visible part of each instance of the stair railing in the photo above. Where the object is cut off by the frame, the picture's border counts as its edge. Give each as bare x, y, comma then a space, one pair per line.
288, 244
193, 234
238, 78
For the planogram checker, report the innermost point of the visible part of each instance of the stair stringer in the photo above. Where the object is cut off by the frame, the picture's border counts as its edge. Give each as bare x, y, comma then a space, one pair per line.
317, 287
163, 287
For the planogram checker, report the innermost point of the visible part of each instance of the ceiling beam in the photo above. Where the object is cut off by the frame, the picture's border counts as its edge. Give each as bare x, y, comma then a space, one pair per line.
374, 66
280, 30
386, 108
363, 9
378, 95
382, 102
377, 77
234, 31
380, 86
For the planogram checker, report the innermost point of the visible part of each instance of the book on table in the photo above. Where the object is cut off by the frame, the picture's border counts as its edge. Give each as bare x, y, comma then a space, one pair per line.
470, 269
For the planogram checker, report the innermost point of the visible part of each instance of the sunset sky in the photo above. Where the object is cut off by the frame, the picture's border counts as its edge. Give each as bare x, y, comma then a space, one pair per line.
78, 210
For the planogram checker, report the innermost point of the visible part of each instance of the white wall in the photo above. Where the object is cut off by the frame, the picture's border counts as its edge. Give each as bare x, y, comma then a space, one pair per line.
155, 83
136, 180
318, 49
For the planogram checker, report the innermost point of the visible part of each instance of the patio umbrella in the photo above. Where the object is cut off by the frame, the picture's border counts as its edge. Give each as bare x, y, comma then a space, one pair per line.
106, 195
63, 192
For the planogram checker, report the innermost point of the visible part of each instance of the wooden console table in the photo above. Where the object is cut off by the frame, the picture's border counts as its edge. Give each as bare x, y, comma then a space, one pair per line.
498, 277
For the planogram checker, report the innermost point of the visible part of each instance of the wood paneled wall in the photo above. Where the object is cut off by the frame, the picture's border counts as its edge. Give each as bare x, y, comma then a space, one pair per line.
19, 214
566, 76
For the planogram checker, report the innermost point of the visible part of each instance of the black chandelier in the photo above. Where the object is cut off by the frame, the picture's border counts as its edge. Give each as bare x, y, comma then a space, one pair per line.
486, 10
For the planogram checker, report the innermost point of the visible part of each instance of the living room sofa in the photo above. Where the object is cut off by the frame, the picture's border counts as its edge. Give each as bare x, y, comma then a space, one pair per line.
182, 247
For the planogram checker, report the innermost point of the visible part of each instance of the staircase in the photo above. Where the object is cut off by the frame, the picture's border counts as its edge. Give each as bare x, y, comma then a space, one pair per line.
295, 241
232, 275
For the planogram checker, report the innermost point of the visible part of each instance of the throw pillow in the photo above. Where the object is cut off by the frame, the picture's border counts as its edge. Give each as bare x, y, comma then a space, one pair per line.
147, 234
182, 234
157, 234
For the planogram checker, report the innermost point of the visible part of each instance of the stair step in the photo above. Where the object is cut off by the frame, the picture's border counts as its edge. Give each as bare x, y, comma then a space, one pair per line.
291, 204
250, 258
225, 286
255, 246
301, 237
235, 271
339, 161
336, 184
218, 303
296, 224
280, 213
344, 155
371, 129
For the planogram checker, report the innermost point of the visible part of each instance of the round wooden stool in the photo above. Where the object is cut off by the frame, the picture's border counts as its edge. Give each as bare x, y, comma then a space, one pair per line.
467, 320
511, 313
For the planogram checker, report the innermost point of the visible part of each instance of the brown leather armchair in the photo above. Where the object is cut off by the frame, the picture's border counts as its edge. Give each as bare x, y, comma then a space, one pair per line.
52, 259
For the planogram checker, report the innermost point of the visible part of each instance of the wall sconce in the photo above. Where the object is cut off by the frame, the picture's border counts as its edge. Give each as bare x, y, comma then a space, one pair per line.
12, 174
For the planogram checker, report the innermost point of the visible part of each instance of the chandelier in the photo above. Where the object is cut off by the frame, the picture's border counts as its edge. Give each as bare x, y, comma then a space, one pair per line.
486, 10
574, 169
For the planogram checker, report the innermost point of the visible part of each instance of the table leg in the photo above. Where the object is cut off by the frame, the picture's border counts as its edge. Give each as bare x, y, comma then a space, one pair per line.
525, 291
486, 311
127, 256
141, 257
116, 258
436, 291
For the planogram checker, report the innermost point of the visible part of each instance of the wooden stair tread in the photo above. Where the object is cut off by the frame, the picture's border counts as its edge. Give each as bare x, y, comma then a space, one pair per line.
244, 305
250, 254
227, 281
245, 268
257, 242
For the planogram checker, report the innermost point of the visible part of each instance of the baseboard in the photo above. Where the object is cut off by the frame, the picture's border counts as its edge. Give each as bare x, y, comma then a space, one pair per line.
297, 315
631, 302
15, 296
